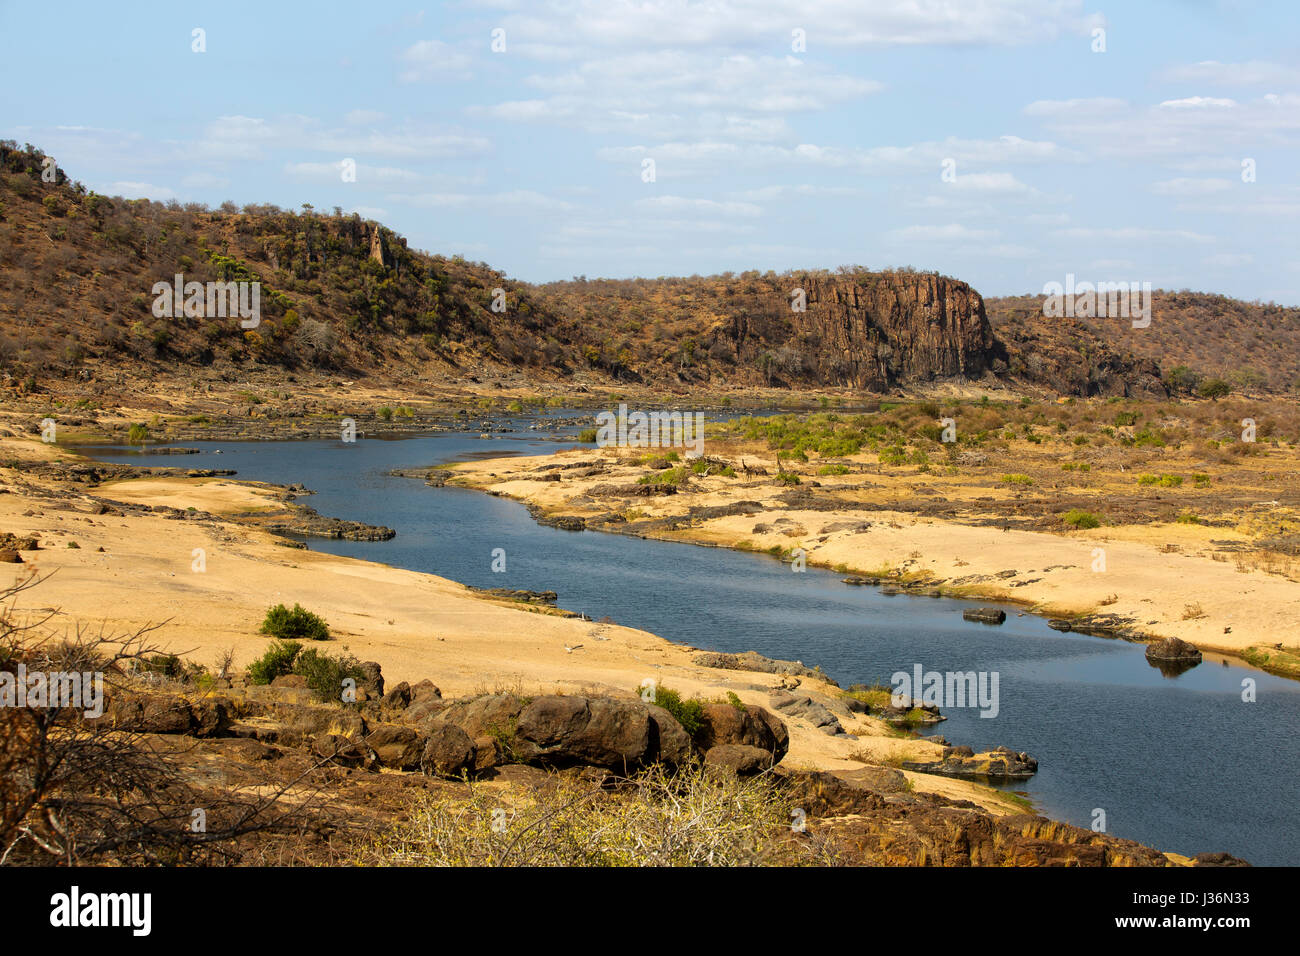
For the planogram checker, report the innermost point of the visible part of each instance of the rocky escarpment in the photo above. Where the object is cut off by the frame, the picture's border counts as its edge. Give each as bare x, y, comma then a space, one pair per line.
876, 330
870, 330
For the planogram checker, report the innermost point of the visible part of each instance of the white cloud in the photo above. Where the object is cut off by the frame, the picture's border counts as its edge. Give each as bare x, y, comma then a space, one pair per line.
1250, 73
1198, 102
554, 27
130, 190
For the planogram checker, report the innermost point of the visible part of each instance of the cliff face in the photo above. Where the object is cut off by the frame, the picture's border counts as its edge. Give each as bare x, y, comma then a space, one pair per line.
879, 330
865, 330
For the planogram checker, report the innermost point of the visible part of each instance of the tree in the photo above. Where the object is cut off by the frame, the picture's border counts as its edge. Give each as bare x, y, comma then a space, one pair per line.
1214, 389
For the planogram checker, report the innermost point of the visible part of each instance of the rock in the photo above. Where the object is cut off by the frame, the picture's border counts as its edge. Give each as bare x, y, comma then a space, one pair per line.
738, 759
985, 615
997, 764
808, 709
373, 681
399, 697
296, 681
487, 753
1218, 859
423, 711
493, 715
1173, 649
822, 793
10, 557
752, 727
424, 690
598, 731
211, 716
396, 746
344, 750
1059, 624
669, 743
448, 750
751, 661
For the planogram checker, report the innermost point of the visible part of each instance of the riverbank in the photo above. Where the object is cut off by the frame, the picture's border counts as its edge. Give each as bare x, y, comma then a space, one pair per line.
190, 554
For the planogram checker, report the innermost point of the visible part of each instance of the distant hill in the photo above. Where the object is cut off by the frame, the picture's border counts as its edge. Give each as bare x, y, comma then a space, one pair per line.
343, 296
1192, 335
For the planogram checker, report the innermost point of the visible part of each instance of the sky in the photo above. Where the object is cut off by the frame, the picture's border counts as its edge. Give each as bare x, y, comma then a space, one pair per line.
1005, 142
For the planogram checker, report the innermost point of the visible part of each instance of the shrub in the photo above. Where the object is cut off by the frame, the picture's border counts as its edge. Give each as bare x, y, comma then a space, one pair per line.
276, 662
1077, 518
326, 673
1017, 479
688, 818
833, 470
587, 436
137, 435
296, 625
689, 713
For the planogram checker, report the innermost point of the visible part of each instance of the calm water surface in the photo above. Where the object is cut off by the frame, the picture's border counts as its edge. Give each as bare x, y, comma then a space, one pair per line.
1181, 764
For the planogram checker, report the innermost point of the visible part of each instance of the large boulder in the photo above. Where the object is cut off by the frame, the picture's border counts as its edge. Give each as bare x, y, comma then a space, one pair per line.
448, 750
578, 730
493, 715
397, 746
1172, 649
748, 727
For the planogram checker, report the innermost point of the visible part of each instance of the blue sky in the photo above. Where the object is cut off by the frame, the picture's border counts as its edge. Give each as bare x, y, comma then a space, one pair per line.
1116, 165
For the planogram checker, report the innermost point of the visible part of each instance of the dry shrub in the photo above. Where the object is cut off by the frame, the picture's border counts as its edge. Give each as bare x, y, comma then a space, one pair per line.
691, 817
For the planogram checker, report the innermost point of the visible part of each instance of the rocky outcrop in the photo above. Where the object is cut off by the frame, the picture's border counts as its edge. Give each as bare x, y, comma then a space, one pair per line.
1174, 650
1000, 763
872, 330
728, 725
753, 661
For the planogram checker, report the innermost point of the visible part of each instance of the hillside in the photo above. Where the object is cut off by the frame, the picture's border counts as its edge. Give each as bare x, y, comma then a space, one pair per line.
342, 297
1193, 335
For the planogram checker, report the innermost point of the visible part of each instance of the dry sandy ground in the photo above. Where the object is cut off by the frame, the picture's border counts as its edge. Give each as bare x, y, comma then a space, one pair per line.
415, 625
1183, 593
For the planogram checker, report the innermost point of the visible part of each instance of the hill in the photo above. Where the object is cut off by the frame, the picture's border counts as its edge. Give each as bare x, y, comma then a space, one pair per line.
345, 297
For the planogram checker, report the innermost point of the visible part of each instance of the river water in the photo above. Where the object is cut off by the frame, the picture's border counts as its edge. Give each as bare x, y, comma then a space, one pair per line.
1181, 763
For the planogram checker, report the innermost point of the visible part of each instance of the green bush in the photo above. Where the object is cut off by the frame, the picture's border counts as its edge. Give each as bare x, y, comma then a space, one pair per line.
833, 470
325, 673
276, 662
1017, 479
587, 436
296, 625
689, 713
1077, 518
